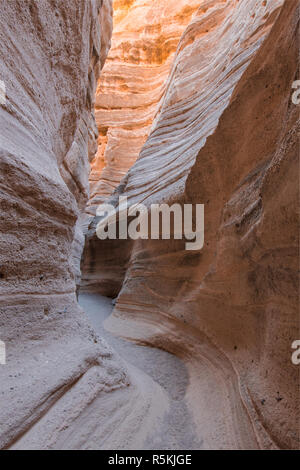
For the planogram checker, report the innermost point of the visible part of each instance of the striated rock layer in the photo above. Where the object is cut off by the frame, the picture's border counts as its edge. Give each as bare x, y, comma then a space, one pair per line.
145, 38
225, 136
58, 373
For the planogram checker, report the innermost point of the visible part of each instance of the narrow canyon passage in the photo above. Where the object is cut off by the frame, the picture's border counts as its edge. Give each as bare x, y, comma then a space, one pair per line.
163, 140
159, 103
176, 430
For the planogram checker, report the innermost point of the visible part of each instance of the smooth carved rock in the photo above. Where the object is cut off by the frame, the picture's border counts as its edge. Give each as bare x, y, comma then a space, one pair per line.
145, 38
56, 366
225, 135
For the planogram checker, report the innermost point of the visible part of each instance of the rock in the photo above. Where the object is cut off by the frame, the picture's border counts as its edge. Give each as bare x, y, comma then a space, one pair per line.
55, 364
145, 38
225, 136
220, 131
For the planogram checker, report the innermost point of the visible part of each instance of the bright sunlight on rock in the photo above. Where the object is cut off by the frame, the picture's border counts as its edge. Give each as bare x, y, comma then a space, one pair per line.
149, 227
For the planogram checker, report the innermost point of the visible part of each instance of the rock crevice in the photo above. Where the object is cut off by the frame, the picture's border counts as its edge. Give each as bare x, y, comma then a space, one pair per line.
225, 135
56, 365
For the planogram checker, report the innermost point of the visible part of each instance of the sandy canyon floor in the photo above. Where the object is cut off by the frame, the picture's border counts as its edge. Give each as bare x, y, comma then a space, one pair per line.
176, 430
160, 102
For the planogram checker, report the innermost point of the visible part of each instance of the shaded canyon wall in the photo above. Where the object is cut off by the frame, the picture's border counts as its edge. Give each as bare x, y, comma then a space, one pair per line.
225, 136
51, 54
145, 38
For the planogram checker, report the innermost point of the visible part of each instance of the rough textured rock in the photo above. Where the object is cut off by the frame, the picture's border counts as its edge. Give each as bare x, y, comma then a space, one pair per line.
225, 135
145, 38
50, 58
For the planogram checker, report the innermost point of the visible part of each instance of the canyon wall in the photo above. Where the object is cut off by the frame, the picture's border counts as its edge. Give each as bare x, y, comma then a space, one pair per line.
225, 136
58, 373
145, 38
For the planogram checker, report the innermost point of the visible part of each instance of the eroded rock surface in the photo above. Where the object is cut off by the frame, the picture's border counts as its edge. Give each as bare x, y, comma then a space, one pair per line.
51, 53
225, 136
145, 38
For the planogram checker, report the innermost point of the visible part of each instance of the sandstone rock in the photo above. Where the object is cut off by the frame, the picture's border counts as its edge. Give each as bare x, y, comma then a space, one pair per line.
225, 136
56, 367
223, 132
145, 38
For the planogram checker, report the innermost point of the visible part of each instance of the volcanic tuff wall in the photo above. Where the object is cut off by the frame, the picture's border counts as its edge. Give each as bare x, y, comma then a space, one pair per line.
57, 368
145, 37
225, 135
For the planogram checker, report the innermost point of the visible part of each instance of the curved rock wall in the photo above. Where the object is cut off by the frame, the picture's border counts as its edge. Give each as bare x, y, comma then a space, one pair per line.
225, 136
214, 51
145, 38
51, 53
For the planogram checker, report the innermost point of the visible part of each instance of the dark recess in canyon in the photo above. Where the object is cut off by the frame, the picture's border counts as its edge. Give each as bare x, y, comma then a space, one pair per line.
190, 103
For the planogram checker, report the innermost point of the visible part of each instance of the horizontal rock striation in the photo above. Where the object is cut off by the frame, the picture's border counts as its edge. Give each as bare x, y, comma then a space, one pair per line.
214, 51
145, 38
225, 136
56, 367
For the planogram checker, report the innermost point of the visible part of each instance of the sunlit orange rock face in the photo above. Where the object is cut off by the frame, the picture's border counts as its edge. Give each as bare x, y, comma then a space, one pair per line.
145, 37
225, 135
56, 365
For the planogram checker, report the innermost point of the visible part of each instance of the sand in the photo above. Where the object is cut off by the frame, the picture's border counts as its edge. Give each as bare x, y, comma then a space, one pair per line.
177, 429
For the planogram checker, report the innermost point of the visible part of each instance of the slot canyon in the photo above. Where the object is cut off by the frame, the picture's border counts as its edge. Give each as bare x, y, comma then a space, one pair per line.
141, 344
